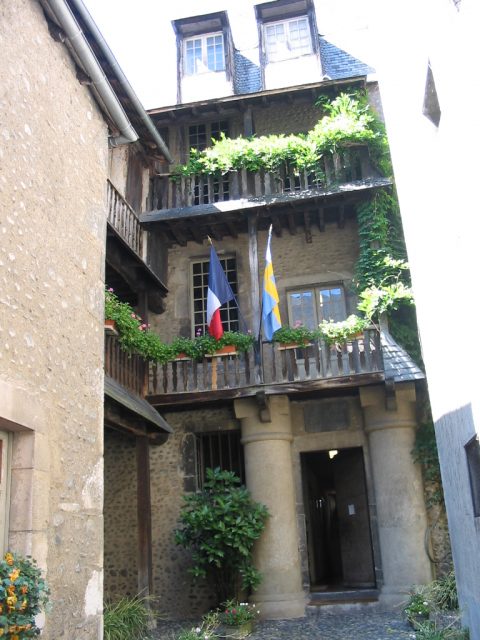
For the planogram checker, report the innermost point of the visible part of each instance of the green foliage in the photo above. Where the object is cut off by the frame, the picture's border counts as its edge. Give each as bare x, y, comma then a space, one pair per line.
417, 605
236, 613
425, 453
348, 121
340, 332
126, 619
136, 336
443, 593
220, 525
437, 596
430, 631
294, 335
205, 631
23, 594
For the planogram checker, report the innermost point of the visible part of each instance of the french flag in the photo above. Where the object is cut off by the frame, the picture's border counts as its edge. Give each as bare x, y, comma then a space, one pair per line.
219, 292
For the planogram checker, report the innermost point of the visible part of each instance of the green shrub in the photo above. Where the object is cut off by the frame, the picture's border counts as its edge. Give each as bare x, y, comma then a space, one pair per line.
220, 525
127, 619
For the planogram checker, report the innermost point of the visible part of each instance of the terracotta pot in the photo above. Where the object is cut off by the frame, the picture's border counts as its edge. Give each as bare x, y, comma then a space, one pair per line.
180, 357
110, 327
236, 631
227, 350
293, 345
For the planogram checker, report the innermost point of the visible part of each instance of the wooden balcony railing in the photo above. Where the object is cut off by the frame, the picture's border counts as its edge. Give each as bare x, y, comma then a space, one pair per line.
123, 219
314, 362
349, 164
127, 369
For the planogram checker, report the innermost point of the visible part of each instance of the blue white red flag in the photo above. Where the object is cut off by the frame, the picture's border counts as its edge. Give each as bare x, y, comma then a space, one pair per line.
219, 292
270, 309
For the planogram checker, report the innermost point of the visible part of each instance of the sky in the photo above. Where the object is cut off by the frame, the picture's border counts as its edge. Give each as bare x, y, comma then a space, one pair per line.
140, 34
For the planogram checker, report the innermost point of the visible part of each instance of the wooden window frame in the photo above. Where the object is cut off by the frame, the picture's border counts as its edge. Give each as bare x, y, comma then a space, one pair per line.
202, 65
288, 52
316, 289
227, 311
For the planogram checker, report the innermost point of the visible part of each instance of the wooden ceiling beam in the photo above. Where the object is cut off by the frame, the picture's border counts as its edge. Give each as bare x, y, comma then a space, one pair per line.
277, 225
232, 229
214, 232
291, 224
308, 229
195, 230
321, 219
178, 235
341, 216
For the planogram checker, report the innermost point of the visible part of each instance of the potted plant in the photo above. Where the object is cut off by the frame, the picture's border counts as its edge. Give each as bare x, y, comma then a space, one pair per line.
237, 619
231, 343
342, 331
294, 337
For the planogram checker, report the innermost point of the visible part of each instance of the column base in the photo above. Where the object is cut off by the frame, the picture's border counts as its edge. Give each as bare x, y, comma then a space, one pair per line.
394, 597
281, 605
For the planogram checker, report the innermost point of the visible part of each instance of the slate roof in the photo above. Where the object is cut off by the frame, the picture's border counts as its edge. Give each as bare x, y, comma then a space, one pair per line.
248, 78
337, 63
398, 365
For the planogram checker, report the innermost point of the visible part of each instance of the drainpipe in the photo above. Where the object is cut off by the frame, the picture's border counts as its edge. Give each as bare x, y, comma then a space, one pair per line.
126, 86
92, 67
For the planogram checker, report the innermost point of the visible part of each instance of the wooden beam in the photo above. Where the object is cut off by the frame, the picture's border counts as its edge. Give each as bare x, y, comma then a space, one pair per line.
144, 518
321, 219
291, 224
277, 225
214, 232
196, 233
178, 235
341, 216
308, 230
231, 228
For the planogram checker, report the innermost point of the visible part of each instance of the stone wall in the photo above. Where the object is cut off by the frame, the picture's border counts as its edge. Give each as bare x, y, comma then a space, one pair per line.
53, 150
120, 516
172, 475
329, 258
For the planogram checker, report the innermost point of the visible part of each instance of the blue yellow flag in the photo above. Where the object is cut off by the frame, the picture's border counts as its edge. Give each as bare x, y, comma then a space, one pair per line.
270, 310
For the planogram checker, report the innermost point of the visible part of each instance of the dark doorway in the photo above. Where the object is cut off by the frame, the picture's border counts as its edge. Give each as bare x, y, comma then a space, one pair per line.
337, 519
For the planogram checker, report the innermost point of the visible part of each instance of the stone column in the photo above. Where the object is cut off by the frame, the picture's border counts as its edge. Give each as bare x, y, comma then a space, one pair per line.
269, 476
398, 486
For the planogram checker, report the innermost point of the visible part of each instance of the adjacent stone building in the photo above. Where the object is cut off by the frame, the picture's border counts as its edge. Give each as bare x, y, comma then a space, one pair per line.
61, 124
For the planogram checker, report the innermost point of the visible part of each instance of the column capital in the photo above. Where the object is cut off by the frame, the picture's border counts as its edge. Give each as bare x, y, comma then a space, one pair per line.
377, 414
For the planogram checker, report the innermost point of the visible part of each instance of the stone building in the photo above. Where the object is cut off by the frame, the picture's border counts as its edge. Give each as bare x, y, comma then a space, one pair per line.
75, 142
322, 437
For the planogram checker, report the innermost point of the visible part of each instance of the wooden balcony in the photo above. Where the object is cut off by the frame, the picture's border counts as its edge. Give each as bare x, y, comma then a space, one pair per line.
295, 370
124, 220
129, 370
351, 164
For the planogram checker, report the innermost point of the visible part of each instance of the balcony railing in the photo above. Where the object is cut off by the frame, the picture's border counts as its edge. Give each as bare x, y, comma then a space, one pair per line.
349, 164
313, 363
123, 219
127, 369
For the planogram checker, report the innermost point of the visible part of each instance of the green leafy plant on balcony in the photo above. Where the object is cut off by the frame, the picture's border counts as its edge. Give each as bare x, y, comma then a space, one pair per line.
348, 120
135, 336
298, 334
340, 332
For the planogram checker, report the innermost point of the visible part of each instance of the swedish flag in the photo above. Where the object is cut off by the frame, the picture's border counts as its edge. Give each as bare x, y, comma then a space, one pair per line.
270, 310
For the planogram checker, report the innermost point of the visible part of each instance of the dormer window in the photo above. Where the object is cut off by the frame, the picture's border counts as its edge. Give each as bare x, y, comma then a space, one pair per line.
287, 39
204, 53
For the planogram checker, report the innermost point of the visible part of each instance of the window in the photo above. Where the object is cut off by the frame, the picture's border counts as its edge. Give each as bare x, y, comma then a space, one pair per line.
472, 449
220, 449
204, 53
287, 39
310, 306
201, 135
229, 311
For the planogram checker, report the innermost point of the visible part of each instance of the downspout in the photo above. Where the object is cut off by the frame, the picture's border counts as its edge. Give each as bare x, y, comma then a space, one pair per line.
126, 86
92, 67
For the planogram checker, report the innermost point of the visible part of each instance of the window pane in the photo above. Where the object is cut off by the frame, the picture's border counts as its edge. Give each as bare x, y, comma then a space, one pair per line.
193, 55
229, 311
215, 55
302, 309
332, 304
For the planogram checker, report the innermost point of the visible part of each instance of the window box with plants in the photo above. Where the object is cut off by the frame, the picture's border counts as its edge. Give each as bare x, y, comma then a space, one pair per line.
294, 337
237, 619
339, 333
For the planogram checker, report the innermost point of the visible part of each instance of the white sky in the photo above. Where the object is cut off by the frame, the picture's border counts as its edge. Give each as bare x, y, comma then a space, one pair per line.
140, 34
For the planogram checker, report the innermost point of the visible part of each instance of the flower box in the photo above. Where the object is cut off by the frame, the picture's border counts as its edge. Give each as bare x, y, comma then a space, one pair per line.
236, 631
226, 350
110, 327
181, 357
283, 346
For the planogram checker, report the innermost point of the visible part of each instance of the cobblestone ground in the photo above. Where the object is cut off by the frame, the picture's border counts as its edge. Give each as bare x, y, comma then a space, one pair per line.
318, 625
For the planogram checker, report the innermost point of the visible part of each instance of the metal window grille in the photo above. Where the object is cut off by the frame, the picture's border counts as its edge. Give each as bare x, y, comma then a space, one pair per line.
220, 449
229, 311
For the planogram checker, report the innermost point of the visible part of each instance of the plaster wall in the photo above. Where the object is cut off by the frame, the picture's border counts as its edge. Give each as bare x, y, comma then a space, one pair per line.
442, 241
53, 151
286, 73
